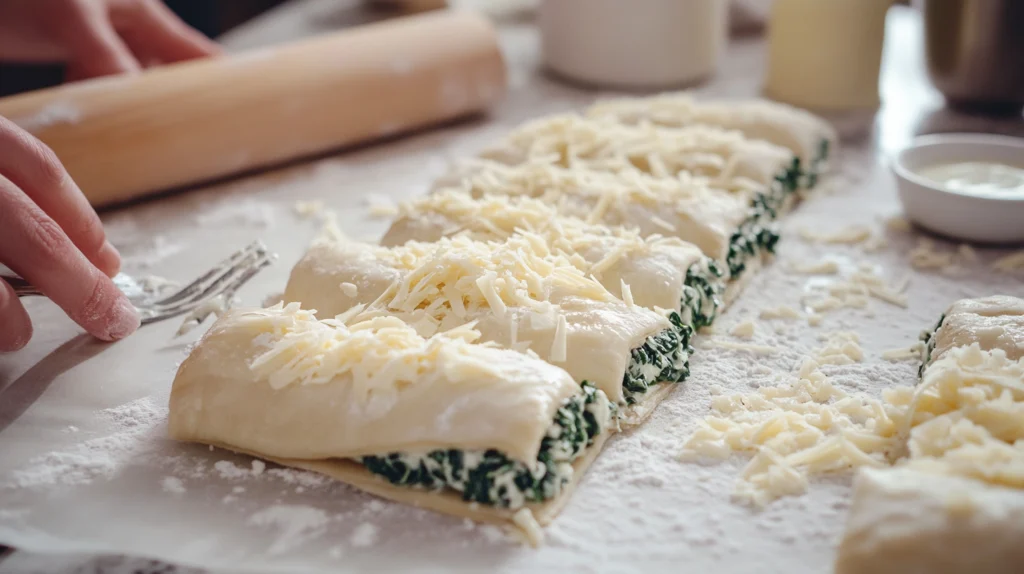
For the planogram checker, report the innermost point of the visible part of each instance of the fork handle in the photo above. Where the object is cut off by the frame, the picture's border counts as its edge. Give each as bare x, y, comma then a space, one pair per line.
22, 288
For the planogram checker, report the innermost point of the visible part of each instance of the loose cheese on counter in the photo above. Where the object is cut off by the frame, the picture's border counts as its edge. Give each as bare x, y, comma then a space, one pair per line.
854, 292
529, 527
732, 345
841, 348
780, 312
925, 256
744, 330
965, 418
913, 352
793, 431
820, 268
848, 235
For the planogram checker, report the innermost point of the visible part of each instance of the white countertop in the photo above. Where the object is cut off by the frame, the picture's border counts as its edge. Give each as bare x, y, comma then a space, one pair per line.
638, 507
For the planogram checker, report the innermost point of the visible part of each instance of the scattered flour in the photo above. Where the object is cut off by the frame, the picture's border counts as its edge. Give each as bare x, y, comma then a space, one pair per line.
295, 525
99, 457
248, 213
231, 471
53, 114
173, 485
364, 535
149, 253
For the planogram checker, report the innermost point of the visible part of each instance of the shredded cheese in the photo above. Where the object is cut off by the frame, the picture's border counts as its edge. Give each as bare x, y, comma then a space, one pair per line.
380, 354
898, 223
851, 234
458, 277
911, 353
607, 145
841, 348
756, 349
744, 330
780, 312
627, 294
925, 256
349, 289
966, 417
528, 527
825, 267
310, 208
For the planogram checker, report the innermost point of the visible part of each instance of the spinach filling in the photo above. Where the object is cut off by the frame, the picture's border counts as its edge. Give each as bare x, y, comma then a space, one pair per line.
815, 169
757, 234
929, 339
663, 358
489, 477
702, 295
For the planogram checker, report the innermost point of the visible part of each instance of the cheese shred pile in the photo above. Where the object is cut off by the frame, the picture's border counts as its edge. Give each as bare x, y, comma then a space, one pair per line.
966, 417
381, 354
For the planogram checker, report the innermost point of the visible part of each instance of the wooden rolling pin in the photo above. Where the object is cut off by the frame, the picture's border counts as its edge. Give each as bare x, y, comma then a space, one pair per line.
127, 136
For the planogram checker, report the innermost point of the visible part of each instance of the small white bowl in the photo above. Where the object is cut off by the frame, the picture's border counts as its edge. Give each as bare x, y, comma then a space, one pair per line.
982, 219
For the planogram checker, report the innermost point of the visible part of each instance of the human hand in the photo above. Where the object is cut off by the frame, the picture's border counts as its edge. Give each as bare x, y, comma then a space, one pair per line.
50, 235
97, 37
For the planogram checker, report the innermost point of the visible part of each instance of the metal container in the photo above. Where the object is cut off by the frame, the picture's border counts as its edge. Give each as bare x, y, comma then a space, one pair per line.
975, 52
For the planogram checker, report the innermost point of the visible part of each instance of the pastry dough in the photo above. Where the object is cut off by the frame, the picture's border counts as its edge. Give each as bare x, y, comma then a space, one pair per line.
280, 384
654, 270
907, 522
807, 136
954, 503
995, 322
544, 303
728, 159
683, 207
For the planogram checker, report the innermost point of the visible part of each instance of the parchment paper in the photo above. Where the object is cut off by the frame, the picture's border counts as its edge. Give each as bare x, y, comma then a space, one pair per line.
85, 467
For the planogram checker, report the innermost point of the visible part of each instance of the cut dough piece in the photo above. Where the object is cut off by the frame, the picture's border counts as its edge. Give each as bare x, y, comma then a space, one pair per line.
995, 322
724, 225
726, 158
517, 292
658, 272
807, 136
907, 522
321, 395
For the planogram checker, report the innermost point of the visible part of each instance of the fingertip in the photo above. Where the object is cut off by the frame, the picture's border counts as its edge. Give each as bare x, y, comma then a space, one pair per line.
106, 314
124, 321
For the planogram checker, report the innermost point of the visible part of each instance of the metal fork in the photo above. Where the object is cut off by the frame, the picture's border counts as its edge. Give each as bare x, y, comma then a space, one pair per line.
220, 282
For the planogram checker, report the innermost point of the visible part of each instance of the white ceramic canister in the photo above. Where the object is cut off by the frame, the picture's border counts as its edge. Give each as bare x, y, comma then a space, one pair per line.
633, 43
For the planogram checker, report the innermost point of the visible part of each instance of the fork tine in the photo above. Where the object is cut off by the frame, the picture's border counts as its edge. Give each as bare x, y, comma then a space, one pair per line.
226, 285
215, 285
218, 271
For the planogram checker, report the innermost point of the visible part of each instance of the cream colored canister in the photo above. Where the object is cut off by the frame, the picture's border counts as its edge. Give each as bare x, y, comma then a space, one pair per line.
826, 54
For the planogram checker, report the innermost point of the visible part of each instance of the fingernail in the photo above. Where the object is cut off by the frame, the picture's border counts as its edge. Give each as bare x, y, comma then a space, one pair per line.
124, 320
108, 259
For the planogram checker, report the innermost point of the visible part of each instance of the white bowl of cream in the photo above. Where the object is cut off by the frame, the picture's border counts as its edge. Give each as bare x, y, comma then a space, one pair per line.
968, 186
